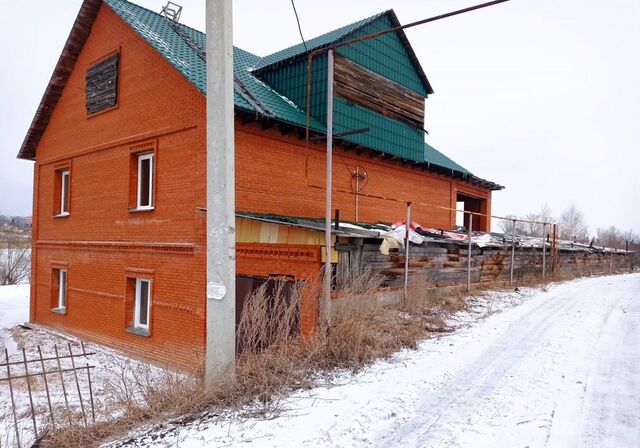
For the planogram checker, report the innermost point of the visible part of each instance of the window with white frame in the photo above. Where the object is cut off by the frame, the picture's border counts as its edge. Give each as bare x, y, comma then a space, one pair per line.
145, 182
142, 304
64, 192
62, 289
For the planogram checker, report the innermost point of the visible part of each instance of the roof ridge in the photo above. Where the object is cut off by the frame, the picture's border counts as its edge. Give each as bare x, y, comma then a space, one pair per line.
360, 24
156, 13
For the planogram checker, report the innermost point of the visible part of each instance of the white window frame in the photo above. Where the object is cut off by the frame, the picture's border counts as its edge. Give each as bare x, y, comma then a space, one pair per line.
136, 307
65, 178
62, 289
141, 157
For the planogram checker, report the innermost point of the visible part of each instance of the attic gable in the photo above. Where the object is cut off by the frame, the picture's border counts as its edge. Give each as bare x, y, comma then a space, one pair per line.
395, 47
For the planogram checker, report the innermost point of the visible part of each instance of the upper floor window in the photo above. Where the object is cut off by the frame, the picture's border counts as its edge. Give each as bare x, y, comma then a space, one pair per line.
102, 85
145, 182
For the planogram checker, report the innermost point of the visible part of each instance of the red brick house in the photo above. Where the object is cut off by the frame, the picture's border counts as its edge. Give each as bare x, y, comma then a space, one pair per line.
119, 147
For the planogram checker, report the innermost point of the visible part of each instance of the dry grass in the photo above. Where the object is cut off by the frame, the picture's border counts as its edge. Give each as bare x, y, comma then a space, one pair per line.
273, 359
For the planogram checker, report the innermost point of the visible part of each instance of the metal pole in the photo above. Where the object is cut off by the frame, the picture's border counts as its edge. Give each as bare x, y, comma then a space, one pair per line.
469, 255
325, 306
220, 349
513, 250
544, 251
407, 227
46, 387
357, 190
13, 402
26, 372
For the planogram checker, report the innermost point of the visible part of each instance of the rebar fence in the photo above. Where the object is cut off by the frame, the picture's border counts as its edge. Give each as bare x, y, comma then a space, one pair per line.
56, 385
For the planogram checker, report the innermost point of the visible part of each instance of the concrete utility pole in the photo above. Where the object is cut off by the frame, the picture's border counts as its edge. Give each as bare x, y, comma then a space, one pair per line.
221, 244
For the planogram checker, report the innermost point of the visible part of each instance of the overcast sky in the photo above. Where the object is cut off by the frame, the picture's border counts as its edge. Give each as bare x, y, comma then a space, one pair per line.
541, 96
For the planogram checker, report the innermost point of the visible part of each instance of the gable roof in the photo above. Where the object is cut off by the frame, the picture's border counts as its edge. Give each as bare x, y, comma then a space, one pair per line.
67, 61
343, 34
321, 41
184, 48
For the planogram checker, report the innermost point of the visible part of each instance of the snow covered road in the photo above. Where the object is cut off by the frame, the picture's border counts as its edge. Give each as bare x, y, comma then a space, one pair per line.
564, 372
560, 369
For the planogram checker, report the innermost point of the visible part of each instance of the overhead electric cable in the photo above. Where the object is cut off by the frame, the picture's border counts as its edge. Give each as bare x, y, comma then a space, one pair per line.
299, 27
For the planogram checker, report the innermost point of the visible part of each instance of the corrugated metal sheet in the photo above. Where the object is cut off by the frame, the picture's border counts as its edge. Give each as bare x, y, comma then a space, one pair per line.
385, 55
317, 42
385, 134
157, 31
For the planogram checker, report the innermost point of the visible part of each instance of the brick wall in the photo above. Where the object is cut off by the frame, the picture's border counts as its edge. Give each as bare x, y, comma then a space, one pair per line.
102, 242
271, 178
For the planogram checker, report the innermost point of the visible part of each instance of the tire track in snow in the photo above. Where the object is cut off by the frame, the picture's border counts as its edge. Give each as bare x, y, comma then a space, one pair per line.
454, 406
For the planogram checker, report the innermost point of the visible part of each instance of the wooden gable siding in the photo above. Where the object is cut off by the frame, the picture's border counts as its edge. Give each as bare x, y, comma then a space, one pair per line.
361, 86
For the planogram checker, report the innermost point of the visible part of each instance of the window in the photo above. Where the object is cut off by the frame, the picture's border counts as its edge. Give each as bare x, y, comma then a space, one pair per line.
64, 192
102, 85
142, 304
62, 289
59, 291
145, 182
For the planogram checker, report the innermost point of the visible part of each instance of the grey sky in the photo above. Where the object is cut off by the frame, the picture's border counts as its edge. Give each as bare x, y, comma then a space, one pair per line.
541, 96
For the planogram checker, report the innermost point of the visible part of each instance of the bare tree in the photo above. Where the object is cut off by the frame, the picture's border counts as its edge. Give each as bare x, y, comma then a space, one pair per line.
572, 225
506, 225
535, 225
610, 237
15, 259
628, 238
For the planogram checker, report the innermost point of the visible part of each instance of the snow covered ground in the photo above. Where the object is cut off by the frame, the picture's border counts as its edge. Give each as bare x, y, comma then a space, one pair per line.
14, 309
14, 305
561, 369
111, 370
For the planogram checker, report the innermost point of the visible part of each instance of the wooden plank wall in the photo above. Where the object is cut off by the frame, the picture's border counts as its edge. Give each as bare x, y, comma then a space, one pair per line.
365, 88
445, 264
102, 85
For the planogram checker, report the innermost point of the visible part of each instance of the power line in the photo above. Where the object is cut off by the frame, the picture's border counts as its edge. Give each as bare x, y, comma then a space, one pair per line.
299, 27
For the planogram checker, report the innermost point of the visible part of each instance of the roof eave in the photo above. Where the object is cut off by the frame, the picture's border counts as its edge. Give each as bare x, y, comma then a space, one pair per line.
65, 65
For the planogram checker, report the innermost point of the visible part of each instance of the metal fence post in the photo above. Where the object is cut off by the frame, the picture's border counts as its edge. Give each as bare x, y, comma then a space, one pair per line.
469, 255
407, 226
513, 250
544, 251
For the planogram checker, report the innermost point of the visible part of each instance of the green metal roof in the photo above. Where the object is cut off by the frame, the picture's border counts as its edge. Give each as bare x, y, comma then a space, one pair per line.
184, 48
433, 156
317, 42
162, 36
